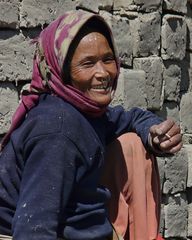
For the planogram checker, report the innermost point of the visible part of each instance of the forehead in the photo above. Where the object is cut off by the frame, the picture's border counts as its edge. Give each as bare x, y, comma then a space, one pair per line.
93, 41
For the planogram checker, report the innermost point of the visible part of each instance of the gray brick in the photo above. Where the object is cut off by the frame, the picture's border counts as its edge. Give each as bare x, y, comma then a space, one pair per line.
9, 13
161, 166
131, 91
190, 220
8, 103
137, 5
153, 68
176, 217
123, 39
146, 31
172, 80
173, 37
176, 172
95, 5
189, 27
37, 13
171, 110
189, 155
186, 113
186, 73
16, 55
175, 5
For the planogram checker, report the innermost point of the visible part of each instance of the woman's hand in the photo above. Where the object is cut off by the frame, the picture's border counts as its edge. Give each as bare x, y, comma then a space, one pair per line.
165, 137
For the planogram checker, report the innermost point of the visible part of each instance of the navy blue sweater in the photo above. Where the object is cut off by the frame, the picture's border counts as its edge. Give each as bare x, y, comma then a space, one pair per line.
50, 169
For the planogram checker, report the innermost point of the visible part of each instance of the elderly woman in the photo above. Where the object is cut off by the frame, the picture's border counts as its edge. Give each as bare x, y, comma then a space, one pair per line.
69, 169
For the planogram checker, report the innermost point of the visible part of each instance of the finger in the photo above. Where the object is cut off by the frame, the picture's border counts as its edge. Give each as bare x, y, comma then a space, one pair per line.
174, 149
173, 131
171, 143
162, 128
161, 138
165, 127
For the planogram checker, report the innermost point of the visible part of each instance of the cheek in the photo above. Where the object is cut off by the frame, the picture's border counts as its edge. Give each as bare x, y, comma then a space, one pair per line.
113, 71
80, 78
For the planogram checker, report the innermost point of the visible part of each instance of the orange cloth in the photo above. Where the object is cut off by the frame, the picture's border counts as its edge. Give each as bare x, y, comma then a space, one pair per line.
132, 176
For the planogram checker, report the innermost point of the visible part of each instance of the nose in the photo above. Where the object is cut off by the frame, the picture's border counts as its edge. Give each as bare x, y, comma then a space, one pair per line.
100, 71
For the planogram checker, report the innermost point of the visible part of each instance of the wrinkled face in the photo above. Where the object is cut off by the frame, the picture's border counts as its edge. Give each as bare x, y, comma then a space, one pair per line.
93, 68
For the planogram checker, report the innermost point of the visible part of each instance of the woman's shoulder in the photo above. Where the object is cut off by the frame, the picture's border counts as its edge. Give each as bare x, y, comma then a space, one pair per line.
52, 115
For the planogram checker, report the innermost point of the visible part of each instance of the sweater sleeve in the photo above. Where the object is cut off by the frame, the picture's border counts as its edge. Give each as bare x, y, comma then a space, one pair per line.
136, 120
47, 182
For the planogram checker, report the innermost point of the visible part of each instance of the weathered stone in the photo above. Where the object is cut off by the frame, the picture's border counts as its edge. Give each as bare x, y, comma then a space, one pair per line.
153, 68
187, 138
186, 73
95, 5
186, 113
161, 166
189, 233
176, 216
8, 103
189, 156
172, 79
16, 55
123, 39
37, 13
189, 27
9, 13
131, 89
173, 37
146, 31
175, 5
170, 110
162, 220
176, 172
137, 5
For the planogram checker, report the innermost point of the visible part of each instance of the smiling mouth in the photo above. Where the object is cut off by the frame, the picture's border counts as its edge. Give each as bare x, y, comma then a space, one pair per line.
105, 85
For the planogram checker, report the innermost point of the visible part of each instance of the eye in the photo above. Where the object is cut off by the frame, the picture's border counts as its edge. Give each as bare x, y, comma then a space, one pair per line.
109, 59
88, 64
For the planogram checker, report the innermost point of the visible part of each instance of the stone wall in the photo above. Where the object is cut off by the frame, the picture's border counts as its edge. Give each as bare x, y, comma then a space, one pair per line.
154, 39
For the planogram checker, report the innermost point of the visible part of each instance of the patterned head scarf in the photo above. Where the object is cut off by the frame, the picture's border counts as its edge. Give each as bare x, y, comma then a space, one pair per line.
52, 47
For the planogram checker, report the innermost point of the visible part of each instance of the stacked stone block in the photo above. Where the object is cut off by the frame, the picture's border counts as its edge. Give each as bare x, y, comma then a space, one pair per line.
154, 41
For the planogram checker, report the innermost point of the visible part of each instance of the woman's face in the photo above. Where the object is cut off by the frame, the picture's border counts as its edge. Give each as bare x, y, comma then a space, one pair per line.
93, 68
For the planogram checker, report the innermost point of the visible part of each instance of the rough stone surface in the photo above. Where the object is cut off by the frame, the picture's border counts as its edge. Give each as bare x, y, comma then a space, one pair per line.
171, 110
123, 39
154, 70
186, 113
137, 5
38, 13
15, 57
9, 13
176, 173
189, 27
176, 216
172, 79
186, 73
173, 37
189, 233
131, 91
189, 156
8, 103
161, 165
146, 31
179, 6
95, 5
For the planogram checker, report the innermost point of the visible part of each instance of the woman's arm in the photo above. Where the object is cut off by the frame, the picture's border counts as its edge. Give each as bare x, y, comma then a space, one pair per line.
136, 120
47, 182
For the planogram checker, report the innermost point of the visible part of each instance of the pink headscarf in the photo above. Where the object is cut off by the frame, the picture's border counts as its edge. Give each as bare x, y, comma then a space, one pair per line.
52, 47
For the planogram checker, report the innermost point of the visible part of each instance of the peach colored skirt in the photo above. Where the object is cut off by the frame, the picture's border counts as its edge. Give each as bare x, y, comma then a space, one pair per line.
132, 176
